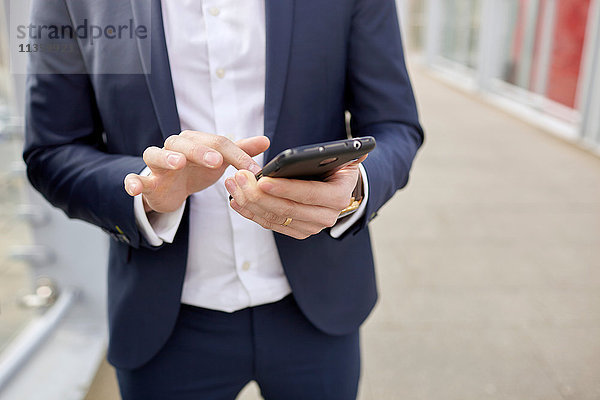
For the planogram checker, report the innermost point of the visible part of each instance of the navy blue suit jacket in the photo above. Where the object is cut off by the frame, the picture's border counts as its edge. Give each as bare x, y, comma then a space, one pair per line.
86, 130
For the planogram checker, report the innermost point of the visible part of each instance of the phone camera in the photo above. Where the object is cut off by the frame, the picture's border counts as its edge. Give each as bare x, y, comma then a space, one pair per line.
357, 144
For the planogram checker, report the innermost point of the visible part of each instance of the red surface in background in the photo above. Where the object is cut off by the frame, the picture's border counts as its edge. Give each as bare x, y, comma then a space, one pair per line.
567, 49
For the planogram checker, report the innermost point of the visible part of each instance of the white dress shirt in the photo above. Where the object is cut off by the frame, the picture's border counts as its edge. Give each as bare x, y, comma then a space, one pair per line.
217, 56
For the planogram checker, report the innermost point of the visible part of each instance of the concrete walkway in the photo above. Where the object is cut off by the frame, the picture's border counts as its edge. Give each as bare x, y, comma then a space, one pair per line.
489, 265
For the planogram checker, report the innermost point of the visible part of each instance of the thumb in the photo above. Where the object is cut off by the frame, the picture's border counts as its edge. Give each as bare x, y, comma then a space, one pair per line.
255, 145
346, 172
356, 162
351, 166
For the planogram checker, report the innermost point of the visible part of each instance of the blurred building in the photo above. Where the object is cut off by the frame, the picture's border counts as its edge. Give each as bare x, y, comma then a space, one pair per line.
536, 58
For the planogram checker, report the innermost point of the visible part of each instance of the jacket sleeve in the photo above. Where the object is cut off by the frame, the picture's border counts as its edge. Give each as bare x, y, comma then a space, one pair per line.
66, 156
380, 100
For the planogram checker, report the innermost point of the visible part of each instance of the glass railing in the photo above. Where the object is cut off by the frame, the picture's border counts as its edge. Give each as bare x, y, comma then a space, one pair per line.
534, 58
45, 289
15, 232
460, 31
15, 279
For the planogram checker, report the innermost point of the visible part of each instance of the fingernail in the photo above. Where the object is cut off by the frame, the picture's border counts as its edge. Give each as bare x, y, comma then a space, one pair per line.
212, 159
230, 185
173, 159
131, 188
255, 169
265, 186
241, 179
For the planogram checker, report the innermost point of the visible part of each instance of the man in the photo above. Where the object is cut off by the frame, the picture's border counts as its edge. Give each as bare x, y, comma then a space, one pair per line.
206, 294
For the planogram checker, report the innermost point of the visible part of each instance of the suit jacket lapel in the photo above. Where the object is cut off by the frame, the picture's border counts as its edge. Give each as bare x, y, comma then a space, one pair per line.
279, 27
155, 64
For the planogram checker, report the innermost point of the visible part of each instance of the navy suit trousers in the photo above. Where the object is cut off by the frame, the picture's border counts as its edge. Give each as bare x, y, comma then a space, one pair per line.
213, 355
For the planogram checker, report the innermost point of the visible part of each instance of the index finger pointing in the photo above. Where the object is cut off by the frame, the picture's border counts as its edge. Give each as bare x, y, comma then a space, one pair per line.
233, 155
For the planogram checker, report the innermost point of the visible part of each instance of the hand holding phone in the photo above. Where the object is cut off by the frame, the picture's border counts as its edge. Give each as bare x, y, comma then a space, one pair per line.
310, 198
316, 161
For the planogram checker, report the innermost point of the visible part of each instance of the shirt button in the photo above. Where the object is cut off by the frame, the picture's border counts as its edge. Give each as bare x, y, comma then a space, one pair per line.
214, 11
221, 73
246, 266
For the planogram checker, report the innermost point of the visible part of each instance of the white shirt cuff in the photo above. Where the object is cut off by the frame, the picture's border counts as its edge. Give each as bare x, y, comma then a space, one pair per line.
156, 228
343, 225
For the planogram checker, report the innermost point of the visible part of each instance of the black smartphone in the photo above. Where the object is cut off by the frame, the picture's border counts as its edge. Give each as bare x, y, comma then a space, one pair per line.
317, 161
